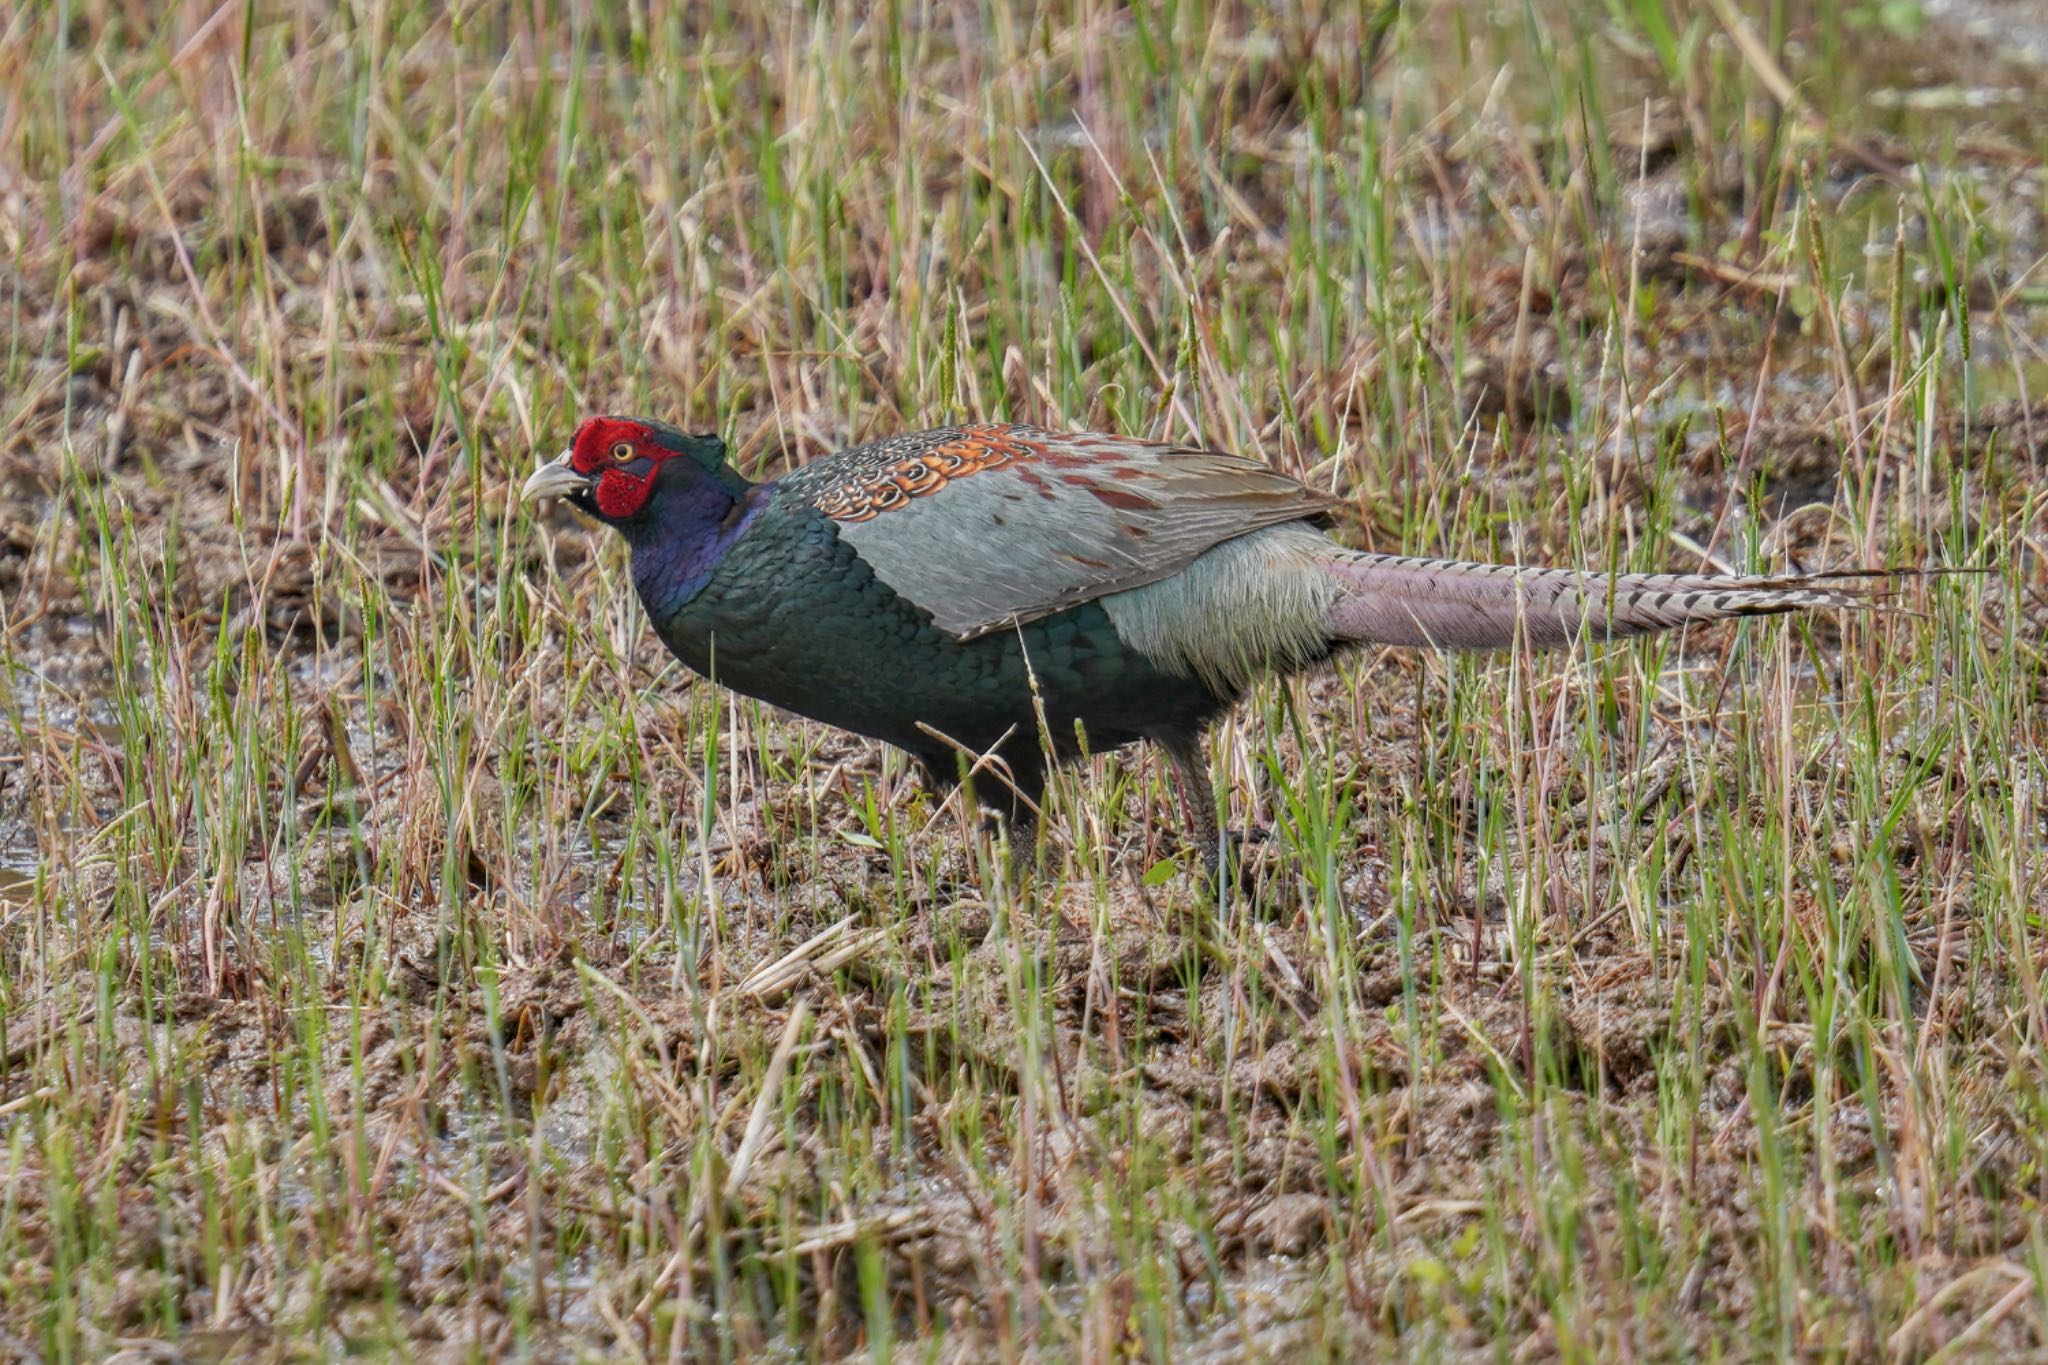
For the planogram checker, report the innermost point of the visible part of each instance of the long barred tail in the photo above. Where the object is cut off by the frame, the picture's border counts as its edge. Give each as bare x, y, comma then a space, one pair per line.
1402, 600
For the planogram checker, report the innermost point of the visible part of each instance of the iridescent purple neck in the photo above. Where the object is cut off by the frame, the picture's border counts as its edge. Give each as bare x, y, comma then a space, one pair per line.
688, 526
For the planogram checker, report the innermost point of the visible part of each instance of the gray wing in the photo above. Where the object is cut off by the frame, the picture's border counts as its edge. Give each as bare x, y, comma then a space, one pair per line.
989, 526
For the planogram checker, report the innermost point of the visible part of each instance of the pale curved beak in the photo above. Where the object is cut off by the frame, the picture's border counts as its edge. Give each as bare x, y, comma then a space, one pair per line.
556, 478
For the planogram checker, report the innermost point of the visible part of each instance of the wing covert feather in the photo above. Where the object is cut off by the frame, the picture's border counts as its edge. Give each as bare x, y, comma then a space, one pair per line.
988, 526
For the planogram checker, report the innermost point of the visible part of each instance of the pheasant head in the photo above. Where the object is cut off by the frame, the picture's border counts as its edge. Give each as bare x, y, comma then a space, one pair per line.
615, 466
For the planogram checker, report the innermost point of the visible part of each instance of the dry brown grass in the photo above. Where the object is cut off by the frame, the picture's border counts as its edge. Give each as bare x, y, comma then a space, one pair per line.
396, 949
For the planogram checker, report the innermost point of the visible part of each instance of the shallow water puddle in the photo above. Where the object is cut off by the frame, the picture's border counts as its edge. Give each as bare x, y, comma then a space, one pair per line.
17, 885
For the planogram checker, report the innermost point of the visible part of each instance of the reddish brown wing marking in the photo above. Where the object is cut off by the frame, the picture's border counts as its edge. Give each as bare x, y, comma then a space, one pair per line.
970, 451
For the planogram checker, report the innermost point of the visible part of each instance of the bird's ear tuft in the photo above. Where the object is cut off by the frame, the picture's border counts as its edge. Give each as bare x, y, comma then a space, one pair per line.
709, 447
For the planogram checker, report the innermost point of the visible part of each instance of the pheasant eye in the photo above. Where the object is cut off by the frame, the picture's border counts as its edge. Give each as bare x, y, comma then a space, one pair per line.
623, 451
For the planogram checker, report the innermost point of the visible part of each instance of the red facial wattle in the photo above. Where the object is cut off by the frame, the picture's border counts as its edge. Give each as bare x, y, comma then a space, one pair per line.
619, 494
623, 484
